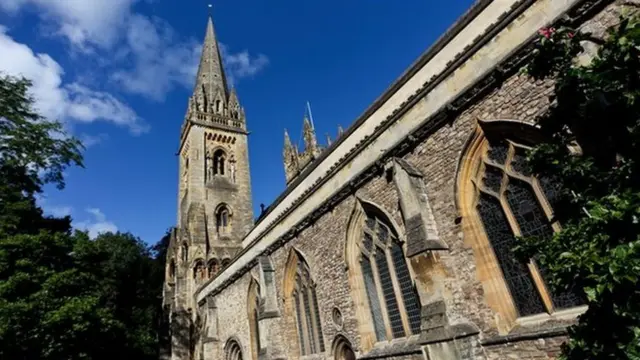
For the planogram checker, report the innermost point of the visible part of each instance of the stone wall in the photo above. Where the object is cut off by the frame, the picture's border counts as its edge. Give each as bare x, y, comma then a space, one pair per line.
447, 276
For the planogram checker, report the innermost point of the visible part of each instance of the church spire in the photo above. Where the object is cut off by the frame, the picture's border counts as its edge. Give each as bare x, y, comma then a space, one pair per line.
211, 76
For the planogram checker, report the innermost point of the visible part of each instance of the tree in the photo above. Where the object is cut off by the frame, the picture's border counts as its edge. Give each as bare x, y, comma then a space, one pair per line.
593, 153
69, 297
33, 152
63, 295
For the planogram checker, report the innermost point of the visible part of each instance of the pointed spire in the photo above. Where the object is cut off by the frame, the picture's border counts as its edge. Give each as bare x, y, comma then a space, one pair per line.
328, 139
288, 147
210, 71
340, 131
309, 135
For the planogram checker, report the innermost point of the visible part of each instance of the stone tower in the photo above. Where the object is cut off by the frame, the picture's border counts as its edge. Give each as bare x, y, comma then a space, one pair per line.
214, 197
294, 160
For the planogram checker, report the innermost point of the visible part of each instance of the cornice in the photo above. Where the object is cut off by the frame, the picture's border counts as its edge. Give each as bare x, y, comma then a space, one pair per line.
494, 78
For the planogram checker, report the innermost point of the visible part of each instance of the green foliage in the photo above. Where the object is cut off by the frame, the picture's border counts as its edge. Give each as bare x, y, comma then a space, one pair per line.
593, 152
33, 152
63, 295
66, 296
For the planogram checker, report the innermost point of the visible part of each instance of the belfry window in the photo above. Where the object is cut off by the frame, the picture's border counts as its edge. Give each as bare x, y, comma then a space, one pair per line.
222, 220
219, 158
307, 313
387, 281
509, 202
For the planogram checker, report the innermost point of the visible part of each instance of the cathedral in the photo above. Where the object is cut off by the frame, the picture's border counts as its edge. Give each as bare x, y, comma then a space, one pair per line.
393, 241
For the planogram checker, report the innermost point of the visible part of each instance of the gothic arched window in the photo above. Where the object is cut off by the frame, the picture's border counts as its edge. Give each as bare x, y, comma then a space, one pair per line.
219, 158
253, 308
505, 200
199, 270
233, 351
225, 262
305, 302
222, 219
213, 267
392, 299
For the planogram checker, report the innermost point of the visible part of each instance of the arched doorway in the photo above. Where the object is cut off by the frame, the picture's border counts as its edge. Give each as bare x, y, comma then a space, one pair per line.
342, 349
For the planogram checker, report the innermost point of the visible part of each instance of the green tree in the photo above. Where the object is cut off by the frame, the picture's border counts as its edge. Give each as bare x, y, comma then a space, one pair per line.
33, 152
63, 295
593, 152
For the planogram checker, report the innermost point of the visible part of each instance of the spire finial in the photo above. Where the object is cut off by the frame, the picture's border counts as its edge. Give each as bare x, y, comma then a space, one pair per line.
210, 6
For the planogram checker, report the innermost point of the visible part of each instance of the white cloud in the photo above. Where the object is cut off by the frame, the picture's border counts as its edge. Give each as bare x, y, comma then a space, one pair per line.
97, 225
160, 59
89, 140
241, 65
82, 22
147, 56
65, 102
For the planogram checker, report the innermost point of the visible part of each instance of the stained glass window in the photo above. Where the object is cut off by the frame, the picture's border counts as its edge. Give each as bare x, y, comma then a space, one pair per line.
374, 303
516, 210
307, 312
411, 302
387, 281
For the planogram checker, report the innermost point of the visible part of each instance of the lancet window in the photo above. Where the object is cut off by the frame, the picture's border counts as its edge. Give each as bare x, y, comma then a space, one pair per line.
219, 159
253, 308
222, 219
306, 310
392, 299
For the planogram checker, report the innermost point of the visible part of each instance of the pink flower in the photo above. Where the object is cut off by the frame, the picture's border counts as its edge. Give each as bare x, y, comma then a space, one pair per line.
570, 35
546, 32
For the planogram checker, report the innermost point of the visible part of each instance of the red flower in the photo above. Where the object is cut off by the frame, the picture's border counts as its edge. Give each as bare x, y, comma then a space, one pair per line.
570, 35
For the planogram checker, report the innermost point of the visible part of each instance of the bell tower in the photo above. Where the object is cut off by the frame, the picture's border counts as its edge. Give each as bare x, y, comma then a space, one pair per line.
214, 195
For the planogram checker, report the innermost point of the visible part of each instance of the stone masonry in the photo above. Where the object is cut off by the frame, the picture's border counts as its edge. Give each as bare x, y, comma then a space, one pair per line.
432, 125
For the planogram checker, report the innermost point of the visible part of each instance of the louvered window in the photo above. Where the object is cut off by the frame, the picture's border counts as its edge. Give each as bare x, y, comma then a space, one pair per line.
392, 299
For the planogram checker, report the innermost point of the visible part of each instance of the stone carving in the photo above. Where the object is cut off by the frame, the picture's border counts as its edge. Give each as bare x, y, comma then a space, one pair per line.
232, 168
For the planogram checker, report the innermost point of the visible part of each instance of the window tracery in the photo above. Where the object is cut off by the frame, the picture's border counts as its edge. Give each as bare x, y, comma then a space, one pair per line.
306, 310
387, 281
509, 201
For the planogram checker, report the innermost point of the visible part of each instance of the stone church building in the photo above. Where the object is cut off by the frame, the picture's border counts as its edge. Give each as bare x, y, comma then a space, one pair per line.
392, 242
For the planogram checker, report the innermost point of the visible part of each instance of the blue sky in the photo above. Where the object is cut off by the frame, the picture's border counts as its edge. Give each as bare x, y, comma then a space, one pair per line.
118, 74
